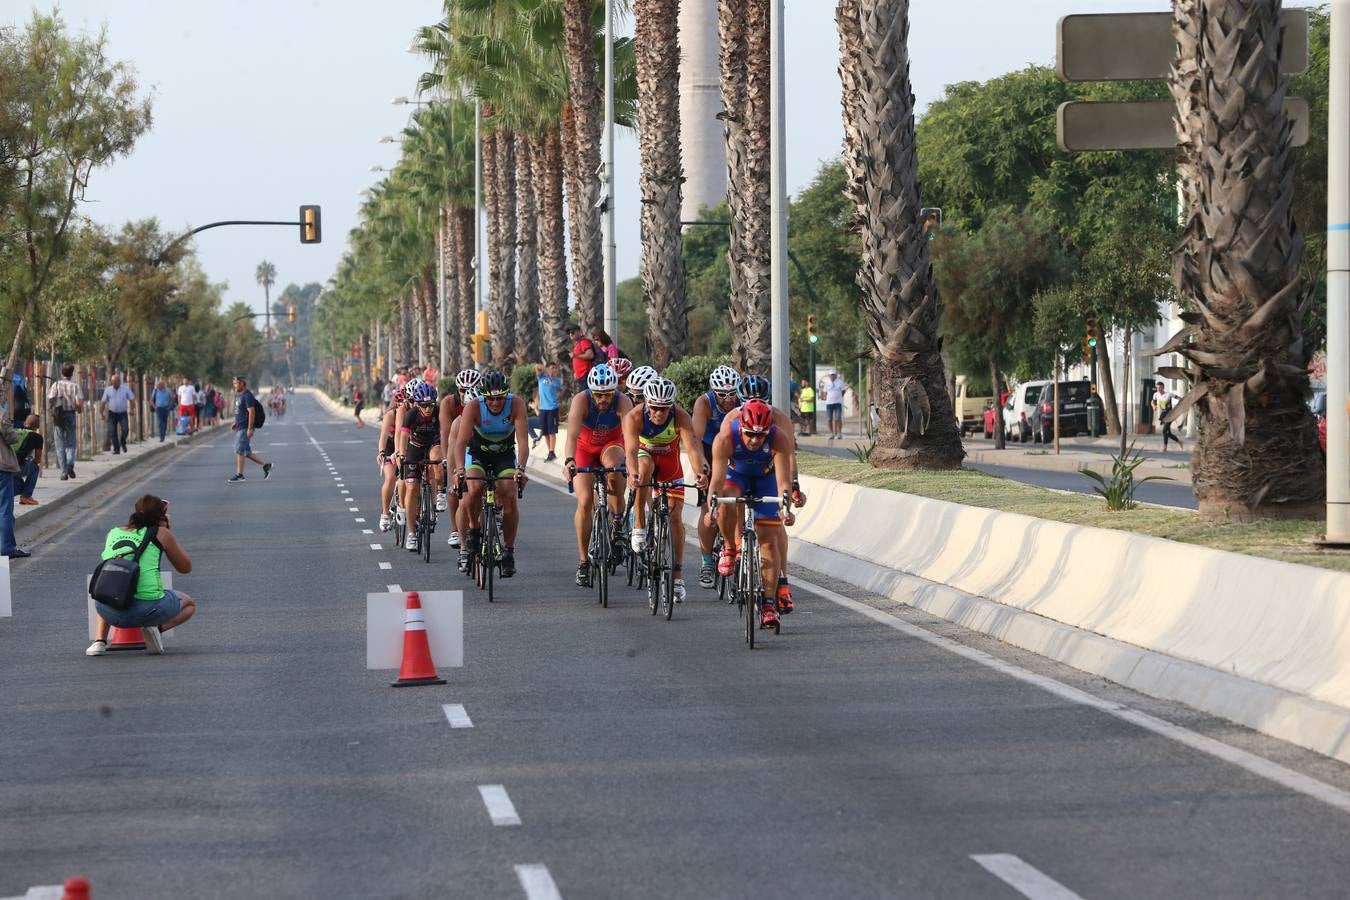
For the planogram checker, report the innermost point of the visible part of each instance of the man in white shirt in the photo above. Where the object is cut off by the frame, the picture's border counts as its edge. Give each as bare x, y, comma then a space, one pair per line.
117, 400
187, 403
1163, 401
833, 389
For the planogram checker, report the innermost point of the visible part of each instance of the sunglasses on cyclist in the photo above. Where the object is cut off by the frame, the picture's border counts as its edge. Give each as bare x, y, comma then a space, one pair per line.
602, 394
724, 395
750, 432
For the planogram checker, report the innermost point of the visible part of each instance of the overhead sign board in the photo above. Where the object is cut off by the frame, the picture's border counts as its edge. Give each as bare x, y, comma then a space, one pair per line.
1140, 125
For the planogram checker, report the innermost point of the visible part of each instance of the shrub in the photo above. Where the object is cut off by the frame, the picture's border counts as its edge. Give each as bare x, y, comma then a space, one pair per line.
523, 383
445, 385
691, 376
1118, 490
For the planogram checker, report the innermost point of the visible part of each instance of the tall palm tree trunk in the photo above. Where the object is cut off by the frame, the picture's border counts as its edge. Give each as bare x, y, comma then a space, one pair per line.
658, 85
758, 255
577, 237
450, 277
466, 303
492, 261
527, 290
504, 310
731, 56
429, 314
552, 253
587, 261
899, 293
1237, 268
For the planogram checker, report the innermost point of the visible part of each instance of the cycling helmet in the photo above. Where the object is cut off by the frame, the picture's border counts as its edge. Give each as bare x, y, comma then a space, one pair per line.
659, 392
602, 378
493, 384
724, 379
400, 396
753, 387
622, 367
468, 378
424, 393
639, 377
472, 394
756, 417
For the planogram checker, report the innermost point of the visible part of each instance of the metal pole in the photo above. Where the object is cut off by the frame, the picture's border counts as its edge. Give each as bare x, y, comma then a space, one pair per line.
778, 303
440, 292
478, 203
1338, 279
611, 297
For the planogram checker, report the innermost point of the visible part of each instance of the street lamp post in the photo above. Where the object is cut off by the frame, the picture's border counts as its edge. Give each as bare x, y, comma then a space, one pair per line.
611, 297
1338, 279
778, 224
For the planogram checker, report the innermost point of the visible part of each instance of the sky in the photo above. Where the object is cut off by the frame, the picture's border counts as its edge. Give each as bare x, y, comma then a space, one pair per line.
263, 105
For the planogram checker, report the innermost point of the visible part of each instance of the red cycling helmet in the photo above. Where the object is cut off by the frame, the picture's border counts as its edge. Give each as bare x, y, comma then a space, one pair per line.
756, 417
621, 367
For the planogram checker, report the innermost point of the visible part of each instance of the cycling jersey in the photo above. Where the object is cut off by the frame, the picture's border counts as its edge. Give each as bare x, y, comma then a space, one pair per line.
715, 417
495, 432
599, 431
424, 427
753, 472
660, 443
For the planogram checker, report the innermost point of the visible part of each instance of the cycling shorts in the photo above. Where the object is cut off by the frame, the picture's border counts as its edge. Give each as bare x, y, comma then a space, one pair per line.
502, 465
589, 452
668, 468
753, 484
412, 459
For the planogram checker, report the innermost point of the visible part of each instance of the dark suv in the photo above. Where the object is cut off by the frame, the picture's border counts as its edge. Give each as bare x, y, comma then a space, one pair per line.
1074, 397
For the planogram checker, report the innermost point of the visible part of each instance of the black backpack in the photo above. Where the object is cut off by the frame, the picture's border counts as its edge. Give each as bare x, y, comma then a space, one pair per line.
259, 414
114, 580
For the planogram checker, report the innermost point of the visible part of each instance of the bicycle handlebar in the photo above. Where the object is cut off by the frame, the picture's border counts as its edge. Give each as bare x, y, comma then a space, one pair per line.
491, 480
593, 470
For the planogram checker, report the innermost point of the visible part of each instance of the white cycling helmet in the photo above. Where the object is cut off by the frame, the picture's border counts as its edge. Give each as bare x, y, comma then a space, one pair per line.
724, 379
659, 392
467, 379
471, 393
602, 378
638, 378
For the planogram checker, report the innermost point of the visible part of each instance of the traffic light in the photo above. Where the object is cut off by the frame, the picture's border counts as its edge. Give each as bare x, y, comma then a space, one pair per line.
290, 314
479, 348
1092, 333
930, 218
811, 336
310, 225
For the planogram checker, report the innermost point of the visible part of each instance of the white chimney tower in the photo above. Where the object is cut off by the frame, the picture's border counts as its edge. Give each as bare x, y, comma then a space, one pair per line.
702, 144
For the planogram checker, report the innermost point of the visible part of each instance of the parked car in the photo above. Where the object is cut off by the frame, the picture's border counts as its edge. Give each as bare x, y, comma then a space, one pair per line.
1017, 410
990, 418
1073, 412
969, 410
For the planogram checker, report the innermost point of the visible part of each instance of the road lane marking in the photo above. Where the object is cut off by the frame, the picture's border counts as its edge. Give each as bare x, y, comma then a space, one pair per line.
393, 589
499, 806
537, 883
345, 491
353, 509
456, 716
377, 546
385, 565
1026, 879
1256, 765
361, 520
367, 531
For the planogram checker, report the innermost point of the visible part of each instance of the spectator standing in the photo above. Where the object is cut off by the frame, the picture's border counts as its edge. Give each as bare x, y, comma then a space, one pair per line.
358, 403
23, 407
808, 407
28, 450
187, 403
162, 399
220, 407
116, 403
607, 350
154, 608
584, 354
387, 396
245, 409
9, 471
66, 401
550, 386
834, 405
1163, 401
198, 403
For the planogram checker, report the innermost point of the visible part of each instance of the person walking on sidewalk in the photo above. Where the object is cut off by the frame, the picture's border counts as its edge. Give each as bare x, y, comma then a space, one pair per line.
187, 404
1163, 401
834, 405
116, 403
9, 470
28, 450
549, 384
154, 608
163, 401
66, 401
245, 411
358, 403
808, 408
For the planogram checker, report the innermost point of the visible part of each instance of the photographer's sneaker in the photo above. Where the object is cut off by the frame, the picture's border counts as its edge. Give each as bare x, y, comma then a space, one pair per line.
97, 648
154, 641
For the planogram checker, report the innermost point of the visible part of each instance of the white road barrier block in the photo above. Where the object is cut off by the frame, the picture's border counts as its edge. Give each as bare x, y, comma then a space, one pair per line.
443, 612
92, 614
6, 606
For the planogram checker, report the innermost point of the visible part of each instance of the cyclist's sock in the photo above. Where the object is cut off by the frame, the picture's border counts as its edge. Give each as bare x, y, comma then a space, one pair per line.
510, 549
709, 559
677, 571
782, 579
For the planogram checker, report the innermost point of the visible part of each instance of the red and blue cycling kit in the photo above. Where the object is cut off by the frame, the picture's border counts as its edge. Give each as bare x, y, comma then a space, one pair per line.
600, 430
752, 471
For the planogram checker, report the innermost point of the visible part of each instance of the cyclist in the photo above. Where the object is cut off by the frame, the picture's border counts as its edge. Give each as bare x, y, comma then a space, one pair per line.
461, 522
597, 440
709, 410
650, 434
622, 368
419, 441
384, 458
452, 406
752, 456
753, 387
637, 380
483, 444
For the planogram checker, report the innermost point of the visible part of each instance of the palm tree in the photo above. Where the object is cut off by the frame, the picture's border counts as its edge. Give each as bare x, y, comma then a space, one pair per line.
266, 275
658, 84
1237, 268
899, 293
583, 114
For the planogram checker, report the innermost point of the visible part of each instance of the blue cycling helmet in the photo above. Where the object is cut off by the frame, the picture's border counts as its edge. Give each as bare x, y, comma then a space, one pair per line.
753, 387
424, 393
602, 378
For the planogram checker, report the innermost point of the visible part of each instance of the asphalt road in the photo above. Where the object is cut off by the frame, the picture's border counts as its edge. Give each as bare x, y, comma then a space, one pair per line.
259, 758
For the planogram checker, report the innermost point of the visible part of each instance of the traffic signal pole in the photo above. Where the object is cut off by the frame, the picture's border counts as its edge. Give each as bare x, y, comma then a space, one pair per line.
1338, 279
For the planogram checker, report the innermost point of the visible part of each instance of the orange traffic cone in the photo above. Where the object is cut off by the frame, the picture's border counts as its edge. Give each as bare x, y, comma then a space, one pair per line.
76, 889
126, 639
417, 666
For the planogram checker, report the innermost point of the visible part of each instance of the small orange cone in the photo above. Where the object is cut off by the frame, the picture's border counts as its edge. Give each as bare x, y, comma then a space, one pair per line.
76, 889
125, 639
417, 666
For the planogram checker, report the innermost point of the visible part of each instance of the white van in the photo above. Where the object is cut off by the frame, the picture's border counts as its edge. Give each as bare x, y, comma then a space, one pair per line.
1017, 410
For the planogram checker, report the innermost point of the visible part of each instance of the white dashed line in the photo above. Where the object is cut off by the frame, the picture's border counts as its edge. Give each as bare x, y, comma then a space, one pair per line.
385, 565
345, 491
499, 806
456, 716
377, 546
1027, 880
361, 520
367, 531
393, 589
537, 883
353, 509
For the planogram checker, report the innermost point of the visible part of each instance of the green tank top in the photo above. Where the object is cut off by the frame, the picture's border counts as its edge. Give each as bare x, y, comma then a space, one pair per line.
123, 542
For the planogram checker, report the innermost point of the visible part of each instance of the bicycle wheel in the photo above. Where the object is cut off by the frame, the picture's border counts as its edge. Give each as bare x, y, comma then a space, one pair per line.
750, 587
600, 552
490, 550
667, 552
400, 529
651, 569
428, 511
